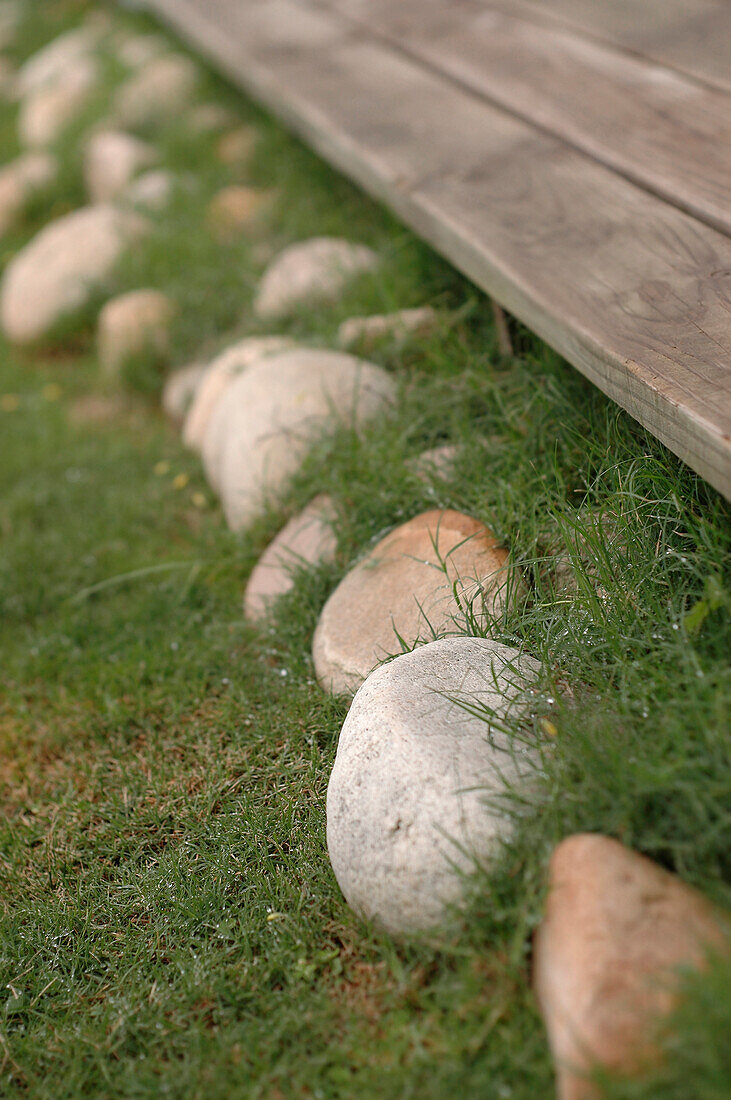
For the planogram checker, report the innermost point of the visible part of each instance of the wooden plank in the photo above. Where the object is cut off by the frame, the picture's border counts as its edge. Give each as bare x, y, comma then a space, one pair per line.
693, 36
632, 291
661, 130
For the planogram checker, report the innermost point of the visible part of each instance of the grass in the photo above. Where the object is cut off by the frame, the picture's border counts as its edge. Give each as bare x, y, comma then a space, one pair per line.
170, 922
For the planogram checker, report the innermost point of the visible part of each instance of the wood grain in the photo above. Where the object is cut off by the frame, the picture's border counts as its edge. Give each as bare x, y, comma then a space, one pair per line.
657, 128
693, 36
632, 291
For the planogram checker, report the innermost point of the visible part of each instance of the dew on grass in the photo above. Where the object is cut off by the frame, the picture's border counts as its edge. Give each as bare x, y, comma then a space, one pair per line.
175, 646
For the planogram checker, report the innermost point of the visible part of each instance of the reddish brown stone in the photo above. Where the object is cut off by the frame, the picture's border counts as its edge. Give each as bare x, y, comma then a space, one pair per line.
606, 957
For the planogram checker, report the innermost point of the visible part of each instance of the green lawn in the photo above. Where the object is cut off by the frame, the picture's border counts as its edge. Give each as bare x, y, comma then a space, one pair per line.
170, 924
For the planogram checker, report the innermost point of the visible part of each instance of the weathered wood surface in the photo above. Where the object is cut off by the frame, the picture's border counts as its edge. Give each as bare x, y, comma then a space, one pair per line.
693, 36
666, 132
633, 291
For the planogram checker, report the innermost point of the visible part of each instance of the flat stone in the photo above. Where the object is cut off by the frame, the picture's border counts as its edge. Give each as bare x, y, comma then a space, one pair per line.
237, 146
590, 543
307, 540
20, 181
179, 390
61, 268
111, 160
45, 114
316, 270
407, 815
221, 373
278, 409
10, 16
616, 929
56, 60
134, 324
156, 92
150, 192
435, 464
234, 209
141, 49
367, 331
405, 588
209, 118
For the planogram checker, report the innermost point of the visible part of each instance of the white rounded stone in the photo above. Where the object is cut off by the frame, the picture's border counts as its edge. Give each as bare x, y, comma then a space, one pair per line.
407, 811
279, 408
223, 369
20, 180
150, 192
111, 160
316, 270
179, 390
133, 324
307, 540
156, 92
423, 580
55, 60
46, 113
58, 271
369, 330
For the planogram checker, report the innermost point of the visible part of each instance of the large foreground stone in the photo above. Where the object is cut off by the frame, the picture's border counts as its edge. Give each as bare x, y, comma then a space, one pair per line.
316, 270
156, 92
406, 803
278, 409
58, 271
308, 539
132, 325
111, 159
617, 928
405, 589
20, 180
221, 373
46, 113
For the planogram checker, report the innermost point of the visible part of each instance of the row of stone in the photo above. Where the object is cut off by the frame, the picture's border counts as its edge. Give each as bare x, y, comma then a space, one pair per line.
416, 798
417, 795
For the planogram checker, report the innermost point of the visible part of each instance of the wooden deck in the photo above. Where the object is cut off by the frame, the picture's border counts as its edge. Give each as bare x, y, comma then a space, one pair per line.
572, 157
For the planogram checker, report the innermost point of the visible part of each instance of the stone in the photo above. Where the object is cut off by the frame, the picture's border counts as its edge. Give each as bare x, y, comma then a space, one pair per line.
157, 92
435, 464
59, 270
605, 963
404, 588
222, 371
21, 180
141, 49
208, 118
237, 146
234, 209
407, 810
111, 160
10, 16
590, 542
308, 539
132, 325
316, 270
46, 113
278, 409
179, 390
150, 192
56, 60
367, 331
